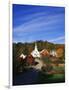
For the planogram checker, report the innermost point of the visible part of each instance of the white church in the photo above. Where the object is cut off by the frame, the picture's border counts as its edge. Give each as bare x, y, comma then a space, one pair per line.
35, 53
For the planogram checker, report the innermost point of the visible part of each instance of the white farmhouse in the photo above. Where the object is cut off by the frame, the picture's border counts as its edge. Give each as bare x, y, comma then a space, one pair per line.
22, 56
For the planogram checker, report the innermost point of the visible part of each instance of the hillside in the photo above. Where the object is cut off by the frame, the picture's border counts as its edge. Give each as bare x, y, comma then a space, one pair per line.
26, 48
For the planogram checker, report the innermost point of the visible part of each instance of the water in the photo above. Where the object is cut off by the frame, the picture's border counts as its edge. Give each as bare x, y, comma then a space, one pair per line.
28, 77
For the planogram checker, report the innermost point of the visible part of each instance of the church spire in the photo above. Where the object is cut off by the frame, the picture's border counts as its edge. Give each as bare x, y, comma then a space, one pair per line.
36, 47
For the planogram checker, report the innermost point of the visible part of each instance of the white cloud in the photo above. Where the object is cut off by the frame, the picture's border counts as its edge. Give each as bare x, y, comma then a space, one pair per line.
57, 39
38, 22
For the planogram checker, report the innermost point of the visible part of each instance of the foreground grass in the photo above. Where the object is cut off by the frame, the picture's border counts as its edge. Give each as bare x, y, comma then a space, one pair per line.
53, 78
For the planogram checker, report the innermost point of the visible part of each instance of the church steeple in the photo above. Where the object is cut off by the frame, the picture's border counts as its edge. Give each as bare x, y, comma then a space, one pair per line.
36, 49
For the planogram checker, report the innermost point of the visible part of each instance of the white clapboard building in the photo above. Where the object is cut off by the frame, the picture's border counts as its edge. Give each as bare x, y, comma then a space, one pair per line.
53, 53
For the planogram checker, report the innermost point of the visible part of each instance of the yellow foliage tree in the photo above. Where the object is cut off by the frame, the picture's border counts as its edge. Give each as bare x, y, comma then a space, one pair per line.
59, 52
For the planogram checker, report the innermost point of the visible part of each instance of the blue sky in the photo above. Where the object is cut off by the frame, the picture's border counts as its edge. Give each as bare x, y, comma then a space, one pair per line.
31, 23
